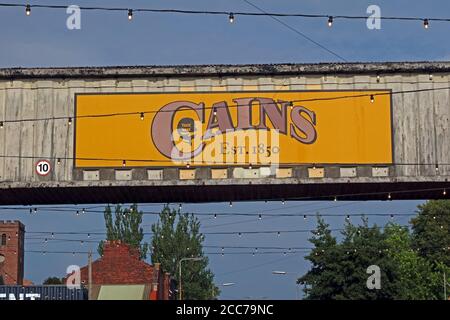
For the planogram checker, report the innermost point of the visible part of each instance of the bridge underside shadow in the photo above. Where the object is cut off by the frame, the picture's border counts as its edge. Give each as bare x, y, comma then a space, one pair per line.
224, 193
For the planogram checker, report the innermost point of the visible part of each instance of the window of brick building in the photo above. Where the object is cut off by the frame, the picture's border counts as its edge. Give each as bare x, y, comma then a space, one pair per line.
3, 240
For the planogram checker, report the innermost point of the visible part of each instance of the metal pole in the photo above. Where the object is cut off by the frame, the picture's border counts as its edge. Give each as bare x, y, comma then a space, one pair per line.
445, 287
179, 286
90, 275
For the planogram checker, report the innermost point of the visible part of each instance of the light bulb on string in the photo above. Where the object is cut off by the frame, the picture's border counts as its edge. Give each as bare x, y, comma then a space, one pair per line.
389, 196
215, 215
1, 124
130, 14
259, 217
58, 161
372, 98
231, 204
231, 17
142, 116
378, 78
69, 121
426, 23
444, 192
28, 10
304, 217
330, 21
124, 163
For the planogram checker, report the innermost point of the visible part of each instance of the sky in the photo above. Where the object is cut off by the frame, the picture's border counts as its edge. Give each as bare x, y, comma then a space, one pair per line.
42, 40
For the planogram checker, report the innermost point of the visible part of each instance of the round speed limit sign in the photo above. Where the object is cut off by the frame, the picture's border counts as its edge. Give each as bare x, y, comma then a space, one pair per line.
43, 167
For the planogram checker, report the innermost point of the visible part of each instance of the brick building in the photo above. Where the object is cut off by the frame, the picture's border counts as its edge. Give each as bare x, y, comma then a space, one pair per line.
12, 236
121, 265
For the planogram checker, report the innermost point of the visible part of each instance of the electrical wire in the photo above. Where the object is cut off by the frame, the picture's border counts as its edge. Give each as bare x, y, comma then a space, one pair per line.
235, 214
225, 13
376, 93
296, 31
200, 163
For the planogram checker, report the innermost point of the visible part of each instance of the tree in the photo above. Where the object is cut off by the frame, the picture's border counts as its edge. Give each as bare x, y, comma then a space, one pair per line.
414, 278
176, 236
323, 281
431, 232
126, 227
339, 270
363, 247
53, 281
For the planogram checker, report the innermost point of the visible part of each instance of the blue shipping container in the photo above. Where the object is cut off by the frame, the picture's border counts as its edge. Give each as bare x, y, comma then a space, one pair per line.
51, 292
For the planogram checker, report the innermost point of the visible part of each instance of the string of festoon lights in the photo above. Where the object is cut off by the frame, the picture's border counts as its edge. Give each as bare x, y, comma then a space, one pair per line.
127, 161
259, 216
349, 249
231, 14
47, 235
288, 103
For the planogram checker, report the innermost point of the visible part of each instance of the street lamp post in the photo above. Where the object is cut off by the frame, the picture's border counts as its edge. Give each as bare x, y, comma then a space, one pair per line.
283, 273
179, 264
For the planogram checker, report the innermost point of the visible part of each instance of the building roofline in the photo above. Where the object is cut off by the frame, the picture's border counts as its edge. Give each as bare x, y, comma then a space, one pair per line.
195, 71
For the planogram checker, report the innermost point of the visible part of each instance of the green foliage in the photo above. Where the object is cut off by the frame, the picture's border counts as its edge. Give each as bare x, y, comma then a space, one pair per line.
126, 227
176, 236
339, 270
431, 231
415, 278
411, 264
53, 281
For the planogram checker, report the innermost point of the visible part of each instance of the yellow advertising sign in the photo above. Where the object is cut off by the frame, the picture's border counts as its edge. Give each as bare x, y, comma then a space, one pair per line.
233, 128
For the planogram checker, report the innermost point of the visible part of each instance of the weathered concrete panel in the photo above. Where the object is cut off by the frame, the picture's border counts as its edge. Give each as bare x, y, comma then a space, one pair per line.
421, 132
